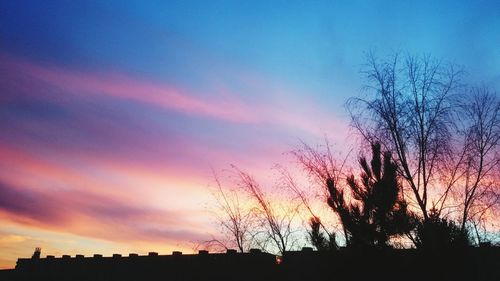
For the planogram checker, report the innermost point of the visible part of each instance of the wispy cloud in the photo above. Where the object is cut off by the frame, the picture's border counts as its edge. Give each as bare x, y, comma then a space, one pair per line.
94, 215
121, 86
272, 103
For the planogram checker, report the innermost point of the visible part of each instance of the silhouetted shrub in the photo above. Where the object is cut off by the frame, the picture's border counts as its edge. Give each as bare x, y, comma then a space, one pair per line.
440, 234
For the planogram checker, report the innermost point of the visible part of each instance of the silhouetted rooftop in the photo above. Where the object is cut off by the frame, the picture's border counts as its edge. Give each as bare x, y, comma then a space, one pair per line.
344, 264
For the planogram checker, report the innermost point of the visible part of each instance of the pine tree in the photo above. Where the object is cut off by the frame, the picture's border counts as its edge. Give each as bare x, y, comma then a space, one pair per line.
376, 211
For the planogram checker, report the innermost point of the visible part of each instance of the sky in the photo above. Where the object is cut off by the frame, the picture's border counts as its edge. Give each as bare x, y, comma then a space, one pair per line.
114, 114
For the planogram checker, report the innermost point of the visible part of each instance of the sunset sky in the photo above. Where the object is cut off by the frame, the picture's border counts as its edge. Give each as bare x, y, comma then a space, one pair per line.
113, 114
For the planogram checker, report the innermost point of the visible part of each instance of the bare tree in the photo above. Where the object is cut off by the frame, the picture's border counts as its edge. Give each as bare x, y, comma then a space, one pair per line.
236, 220
479, 182
277, 224
411, 114
470, 173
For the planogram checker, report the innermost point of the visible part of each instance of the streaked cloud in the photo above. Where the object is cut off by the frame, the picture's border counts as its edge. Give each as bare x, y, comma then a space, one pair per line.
130, 88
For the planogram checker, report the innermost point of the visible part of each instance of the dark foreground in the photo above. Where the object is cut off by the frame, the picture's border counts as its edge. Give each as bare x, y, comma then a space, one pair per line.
466, 264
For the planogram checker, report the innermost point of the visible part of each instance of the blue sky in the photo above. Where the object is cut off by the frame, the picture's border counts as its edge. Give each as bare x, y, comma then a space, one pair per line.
311, 43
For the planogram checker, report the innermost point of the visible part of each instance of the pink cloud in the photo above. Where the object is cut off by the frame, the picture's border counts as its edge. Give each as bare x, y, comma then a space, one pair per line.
146, 203
272, 103
130, 88
94, 215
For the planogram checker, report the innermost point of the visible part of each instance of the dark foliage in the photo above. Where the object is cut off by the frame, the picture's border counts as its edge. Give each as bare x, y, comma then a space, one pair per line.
318, 239
440, 234
377, 211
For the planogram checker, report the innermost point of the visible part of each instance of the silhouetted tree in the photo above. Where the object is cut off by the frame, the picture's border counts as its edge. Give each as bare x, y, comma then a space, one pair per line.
236, 221
479, 182
276, 225
318, 238
410, 113
377, 212
470, 173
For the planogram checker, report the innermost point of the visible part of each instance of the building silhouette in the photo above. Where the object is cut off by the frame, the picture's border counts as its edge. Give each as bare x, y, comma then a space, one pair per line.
475, 263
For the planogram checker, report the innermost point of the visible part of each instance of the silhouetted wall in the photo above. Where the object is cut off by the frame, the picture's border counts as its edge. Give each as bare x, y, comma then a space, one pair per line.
393, 264
7, 274
203, 266
345, 264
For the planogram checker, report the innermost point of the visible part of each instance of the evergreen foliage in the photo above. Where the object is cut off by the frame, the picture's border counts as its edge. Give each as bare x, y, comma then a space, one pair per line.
318, 239
376, 212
